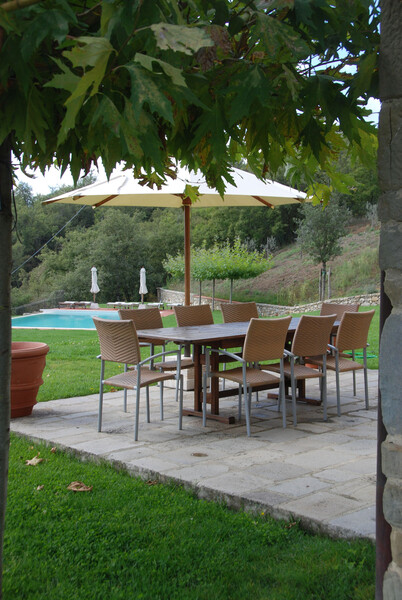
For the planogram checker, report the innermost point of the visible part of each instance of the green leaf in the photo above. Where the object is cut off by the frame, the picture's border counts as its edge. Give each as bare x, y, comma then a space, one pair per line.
35, 118
51, 23
367, 69
144, 90
64, 81
180, 38
91, 52
252, 86
130, 132
191, 191
107, 114
176, 75
68, 122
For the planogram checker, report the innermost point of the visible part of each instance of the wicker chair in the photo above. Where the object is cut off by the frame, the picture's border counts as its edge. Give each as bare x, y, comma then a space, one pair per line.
150, 318
197, 314
119, 343
327, 308
310, 339
237, 313
265, 340
352, 335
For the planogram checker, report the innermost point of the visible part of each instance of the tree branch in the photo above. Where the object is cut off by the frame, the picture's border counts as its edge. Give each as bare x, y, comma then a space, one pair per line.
17, 4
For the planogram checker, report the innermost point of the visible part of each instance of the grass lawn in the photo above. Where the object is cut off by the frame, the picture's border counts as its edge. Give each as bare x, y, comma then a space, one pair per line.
129, 539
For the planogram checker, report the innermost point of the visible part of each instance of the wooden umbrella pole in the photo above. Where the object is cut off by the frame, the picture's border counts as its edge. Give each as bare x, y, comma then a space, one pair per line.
187, 251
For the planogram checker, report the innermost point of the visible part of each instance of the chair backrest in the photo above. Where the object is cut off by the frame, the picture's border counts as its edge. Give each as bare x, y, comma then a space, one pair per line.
118, 341
353, 330
328, 308
199, 314
265, 339
144, 318
237, 313
312, 335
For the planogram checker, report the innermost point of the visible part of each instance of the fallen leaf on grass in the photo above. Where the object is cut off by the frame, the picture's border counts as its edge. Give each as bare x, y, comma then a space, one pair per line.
152, 482
34, 461
54, 449
78, 486
40, 487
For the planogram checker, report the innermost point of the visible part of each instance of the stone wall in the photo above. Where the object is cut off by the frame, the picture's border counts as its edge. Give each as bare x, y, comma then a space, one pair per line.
390, 213
265, 310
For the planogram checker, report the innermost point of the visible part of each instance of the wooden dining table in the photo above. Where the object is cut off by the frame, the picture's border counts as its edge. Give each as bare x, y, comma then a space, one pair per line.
218, 335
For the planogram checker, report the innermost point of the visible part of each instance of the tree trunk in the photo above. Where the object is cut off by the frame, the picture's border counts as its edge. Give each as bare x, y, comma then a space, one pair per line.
329, 283
323, 279
5, 330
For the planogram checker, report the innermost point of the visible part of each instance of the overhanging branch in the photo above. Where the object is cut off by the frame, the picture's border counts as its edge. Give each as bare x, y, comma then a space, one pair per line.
16, 4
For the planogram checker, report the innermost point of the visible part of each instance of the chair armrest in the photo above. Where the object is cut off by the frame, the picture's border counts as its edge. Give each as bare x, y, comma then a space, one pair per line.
153, 356
235, 357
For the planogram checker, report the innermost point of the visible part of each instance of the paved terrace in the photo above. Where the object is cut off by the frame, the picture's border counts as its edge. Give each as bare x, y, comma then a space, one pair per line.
322, 473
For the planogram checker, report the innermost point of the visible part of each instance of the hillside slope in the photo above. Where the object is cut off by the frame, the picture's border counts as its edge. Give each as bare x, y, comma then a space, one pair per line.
293, 278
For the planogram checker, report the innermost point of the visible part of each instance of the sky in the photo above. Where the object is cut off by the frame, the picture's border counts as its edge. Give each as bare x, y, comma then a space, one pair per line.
43, 185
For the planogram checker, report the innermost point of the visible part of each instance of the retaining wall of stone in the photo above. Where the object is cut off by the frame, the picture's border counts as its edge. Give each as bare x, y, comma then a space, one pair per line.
173, 297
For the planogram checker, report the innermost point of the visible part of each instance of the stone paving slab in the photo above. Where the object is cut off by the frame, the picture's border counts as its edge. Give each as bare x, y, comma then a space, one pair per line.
320, 473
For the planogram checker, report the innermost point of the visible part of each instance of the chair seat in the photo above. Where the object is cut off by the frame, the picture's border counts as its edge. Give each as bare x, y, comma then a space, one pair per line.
300, 371
171, 365
254, 376
129, 378
345, 364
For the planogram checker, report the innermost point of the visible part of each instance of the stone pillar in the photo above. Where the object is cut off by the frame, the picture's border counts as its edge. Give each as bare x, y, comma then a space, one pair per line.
390, 213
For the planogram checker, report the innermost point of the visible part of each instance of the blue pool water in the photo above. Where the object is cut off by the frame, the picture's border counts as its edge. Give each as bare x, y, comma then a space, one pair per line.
62, 319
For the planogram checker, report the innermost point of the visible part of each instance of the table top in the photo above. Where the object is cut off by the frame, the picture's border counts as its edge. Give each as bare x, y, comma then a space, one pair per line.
203, 334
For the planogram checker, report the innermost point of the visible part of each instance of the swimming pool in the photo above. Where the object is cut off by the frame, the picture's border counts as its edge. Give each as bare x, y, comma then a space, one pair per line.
62, 319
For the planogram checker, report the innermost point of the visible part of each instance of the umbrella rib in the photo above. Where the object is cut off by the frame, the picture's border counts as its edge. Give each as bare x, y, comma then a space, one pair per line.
105, 200
264, 201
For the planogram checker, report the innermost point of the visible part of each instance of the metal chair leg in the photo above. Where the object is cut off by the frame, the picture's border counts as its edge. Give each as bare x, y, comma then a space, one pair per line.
161, 398
148, 411
100, 409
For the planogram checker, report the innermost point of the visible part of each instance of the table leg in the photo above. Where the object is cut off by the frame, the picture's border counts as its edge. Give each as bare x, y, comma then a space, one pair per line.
300, 394
212, 397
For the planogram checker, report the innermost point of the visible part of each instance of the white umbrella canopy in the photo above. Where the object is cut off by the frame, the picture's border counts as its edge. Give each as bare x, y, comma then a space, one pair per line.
143, 283
123, 190
94, 282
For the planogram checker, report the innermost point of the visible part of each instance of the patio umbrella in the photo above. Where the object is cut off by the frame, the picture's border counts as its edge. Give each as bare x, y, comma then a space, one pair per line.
143, 284
94, 278
123, 190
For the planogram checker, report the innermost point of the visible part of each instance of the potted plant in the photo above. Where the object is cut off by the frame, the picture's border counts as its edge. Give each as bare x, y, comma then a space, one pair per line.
28, 360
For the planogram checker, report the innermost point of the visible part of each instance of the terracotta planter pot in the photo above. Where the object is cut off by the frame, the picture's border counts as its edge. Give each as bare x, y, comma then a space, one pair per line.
28, 359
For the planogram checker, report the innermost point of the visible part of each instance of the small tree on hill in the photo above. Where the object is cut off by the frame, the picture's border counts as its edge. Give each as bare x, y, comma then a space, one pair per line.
319, 233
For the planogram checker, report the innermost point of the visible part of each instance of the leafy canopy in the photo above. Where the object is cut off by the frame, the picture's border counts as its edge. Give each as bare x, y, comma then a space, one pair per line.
221, 261
206, 82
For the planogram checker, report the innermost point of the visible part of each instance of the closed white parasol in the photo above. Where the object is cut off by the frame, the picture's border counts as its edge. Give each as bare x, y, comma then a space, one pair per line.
94, 278
143, 283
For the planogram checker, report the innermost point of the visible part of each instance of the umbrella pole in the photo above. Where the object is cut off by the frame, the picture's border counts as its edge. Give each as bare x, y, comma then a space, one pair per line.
187, 251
